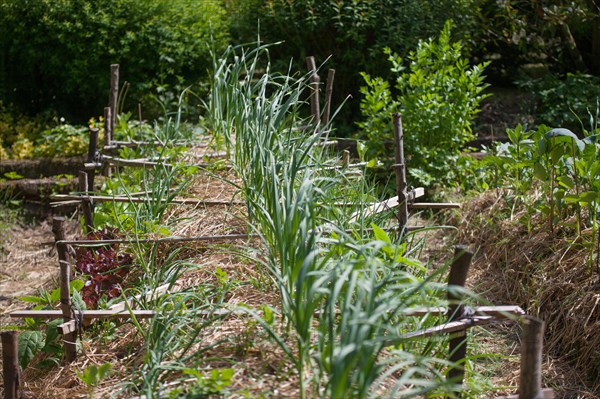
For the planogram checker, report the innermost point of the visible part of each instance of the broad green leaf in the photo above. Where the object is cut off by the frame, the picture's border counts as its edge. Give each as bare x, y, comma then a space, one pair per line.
566, 181
587, 197
540, 172
55, 295
76, 285
571, 198
560, 135
380, 234
32, 299
29, 343
104, 370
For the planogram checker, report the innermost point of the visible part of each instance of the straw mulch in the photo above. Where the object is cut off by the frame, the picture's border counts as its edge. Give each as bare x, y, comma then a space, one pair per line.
520, 262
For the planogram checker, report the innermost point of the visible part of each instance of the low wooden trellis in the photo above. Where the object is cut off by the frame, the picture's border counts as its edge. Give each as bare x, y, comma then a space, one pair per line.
460, 317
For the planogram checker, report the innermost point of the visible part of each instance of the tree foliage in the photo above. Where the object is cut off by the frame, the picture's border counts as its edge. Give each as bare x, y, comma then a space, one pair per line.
56, 53
353, 33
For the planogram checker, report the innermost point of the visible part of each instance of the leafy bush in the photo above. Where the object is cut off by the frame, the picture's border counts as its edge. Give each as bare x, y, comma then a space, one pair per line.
352, 33
438, 96
56, 53
63, 140
567, 102
555, 35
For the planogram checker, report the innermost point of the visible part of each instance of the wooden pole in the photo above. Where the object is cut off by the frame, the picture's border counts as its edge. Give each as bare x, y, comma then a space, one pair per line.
315, 106
328, 94
457, 278
108, 137
65, 277
108, 133
86, 205
400, 172
91, 156
114, 95
346, 158
10, 364
530, 383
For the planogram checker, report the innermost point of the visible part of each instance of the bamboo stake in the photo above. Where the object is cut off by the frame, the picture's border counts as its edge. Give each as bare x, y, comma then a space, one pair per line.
328, 94
552, 176
10, 364
86, 204
457, 279
65, 278
400, 171
314, 85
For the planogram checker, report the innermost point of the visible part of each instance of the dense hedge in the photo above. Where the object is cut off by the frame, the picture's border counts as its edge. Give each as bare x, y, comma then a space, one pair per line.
56, 53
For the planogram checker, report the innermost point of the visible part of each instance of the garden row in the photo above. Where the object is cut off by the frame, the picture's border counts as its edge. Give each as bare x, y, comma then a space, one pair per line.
355, 313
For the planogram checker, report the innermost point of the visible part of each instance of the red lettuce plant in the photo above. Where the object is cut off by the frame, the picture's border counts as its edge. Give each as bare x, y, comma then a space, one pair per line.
105, 267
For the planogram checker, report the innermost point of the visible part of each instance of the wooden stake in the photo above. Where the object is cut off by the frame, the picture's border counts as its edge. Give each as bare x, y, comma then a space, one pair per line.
91, 156
10, 364
315, 106
108, 133
457, 278
400, 171
108, 137
86, 205
114, 95
346, 158
328, 93
530, 382
65, 278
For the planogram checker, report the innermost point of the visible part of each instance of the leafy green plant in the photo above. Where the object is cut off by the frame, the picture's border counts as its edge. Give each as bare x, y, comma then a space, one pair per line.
206, 384
567, 102
349, 35
158, 43
342, 295
438, 97
39, 337
93, 375
559, 164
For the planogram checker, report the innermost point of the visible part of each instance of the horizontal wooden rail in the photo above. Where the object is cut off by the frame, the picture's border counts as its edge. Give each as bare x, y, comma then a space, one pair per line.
388, 204
60, 198
546, 393
84, 314
434, 205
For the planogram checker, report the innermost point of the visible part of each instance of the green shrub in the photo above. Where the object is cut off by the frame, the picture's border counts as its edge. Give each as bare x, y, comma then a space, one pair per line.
56, 53
438, 96
352, 33
568, 102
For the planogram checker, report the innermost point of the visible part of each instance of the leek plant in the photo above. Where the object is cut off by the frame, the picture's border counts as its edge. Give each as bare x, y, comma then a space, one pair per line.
342, 295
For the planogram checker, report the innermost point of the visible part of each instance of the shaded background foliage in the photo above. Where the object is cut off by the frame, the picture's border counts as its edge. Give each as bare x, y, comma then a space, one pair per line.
55, 54
352, 33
